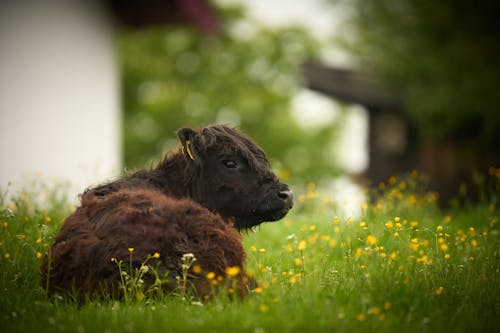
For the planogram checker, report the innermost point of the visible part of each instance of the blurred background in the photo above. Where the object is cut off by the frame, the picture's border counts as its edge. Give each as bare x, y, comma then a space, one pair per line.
343, 94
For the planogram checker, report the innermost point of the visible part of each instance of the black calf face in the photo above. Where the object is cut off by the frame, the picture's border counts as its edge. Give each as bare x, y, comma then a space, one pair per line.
233, 189
235, 179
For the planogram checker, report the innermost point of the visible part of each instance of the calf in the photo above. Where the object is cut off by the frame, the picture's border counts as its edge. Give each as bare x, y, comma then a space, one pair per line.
195, 201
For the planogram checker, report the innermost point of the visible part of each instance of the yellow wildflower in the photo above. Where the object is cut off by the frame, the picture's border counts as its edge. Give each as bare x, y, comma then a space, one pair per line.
233, 270
360, 317
196, 269
258, 290
139, 295
302, 245
372, 240
210, 275
439, 291
253, 248
38, 255
414, 244
156, 255
130, 249
412, 199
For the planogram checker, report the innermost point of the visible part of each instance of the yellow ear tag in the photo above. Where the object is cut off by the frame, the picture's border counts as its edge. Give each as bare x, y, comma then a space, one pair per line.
189, 150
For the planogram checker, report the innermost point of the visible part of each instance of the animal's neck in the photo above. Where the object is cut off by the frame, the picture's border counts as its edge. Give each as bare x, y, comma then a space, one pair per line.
170, 176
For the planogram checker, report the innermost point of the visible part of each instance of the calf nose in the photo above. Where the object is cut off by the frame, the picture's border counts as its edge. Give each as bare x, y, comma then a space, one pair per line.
287, 197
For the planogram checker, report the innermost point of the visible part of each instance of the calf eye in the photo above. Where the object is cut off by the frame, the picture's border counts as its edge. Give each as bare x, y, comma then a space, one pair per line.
230, 164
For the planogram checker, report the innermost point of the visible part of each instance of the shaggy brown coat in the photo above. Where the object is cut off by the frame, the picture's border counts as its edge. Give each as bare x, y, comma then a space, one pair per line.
192, 202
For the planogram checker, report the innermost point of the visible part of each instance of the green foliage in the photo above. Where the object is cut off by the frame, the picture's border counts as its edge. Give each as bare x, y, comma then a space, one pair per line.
445, 56
400, 265
174, 77
132, 285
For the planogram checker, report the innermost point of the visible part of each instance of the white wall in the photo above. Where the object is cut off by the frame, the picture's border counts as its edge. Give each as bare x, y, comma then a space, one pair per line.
59, 93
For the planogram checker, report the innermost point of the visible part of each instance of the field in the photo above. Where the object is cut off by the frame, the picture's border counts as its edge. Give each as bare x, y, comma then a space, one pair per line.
401, 265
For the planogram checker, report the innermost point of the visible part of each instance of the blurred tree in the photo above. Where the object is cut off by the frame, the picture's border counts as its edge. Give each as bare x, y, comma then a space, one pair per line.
445, 54
246, 76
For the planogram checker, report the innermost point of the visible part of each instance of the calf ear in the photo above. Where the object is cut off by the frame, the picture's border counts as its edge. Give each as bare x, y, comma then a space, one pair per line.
186, 136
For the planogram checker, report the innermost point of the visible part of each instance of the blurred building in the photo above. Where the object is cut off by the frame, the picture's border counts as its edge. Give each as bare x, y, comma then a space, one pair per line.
393, 144
60, 115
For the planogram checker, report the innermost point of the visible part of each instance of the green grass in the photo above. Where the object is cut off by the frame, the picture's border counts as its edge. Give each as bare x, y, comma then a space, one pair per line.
402, 265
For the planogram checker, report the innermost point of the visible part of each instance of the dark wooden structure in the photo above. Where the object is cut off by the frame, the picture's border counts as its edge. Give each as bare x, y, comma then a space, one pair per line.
394, 146
135, 13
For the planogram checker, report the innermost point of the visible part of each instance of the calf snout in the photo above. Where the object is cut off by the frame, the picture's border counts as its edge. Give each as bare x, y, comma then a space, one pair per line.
287, 197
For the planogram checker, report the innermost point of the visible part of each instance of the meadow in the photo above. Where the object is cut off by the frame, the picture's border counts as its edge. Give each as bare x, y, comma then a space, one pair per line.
401, 265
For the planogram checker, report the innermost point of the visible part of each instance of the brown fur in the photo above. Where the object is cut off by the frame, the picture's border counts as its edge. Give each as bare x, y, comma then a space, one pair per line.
182, 206
148, 222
